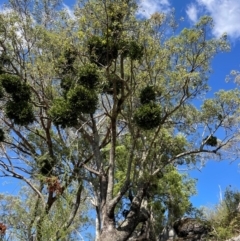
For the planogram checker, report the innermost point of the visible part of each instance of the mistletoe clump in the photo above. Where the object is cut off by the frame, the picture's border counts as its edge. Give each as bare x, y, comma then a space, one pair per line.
82, 100
1, 92
101, 51
112, 80
211, 141
66, 83
88, 76
45, 164
13, 85
10, 83
62, 113
148, 116
133, 50
4, 61
79, 100
23, 94
70, 55
147, 95
18, 109
46, 167
21, 113
2, 136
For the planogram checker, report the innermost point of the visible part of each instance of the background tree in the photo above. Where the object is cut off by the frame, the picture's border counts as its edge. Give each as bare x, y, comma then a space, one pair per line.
20, 214
225, 216
106, 103
30, 147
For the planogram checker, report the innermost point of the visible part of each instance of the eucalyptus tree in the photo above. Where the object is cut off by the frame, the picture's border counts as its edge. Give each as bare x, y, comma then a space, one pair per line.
19, 215
104, 104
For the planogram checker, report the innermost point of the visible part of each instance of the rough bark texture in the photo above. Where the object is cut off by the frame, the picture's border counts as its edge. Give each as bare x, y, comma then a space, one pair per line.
137, 214
188, 229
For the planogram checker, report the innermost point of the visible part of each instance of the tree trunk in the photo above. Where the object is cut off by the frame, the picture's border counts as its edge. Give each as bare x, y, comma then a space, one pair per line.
137, 214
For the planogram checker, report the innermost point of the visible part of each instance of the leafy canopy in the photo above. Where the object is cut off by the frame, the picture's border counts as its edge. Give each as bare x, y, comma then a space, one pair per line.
102, 107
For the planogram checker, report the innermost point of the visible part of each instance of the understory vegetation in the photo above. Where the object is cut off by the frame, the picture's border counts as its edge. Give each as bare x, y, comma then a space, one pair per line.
225, 216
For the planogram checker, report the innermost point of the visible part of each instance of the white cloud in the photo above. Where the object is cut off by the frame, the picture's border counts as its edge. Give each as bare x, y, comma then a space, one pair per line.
225, 13
69, 11
148, 7
192, 12
4, 10
17, 26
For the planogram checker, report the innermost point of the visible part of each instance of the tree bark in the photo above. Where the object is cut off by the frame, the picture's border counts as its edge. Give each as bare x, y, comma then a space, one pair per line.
137, 214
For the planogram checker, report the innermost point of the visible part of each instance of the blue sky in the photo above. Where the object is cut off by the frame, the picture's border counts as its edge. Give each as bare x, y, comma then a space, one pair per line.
226, 15
214, 177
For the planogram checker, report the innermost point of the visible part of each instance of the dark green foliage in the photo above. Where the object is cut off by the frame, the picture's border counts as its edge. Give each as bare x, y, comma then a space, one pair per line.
65, 64
45, 165
4, 60
82, 100
211, 141
2, 136
94, 43
70, 55
46, 168
123, 48
62, 114
108, 88
23, 94
19, 109
147, 95
148, 116
20, 91
131, 49
220, 117
79, 100
102, 52
20, 112
10, 83
88, 76
66, 83
1, 91
135, 51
